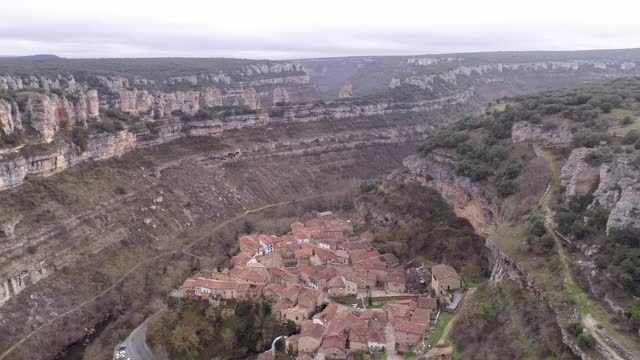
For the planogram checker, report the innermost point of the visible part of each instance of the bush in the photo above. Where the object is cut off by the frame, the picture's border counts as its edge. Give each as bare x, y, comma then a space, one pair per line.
538, 228
586, 341
473, 171
574, 329
631, 137
12, 140
366, 187
588, 138
80, 137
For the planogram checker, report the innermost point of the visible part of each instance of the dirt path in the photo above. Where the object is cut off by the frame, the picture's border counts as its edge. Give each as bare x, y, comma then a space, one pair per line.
185, 249
449, 327
568, 277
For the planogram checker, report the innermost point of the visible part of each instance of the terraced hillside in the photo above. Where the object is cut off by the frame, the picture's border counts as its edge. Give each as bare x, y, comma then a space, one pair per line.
110, 168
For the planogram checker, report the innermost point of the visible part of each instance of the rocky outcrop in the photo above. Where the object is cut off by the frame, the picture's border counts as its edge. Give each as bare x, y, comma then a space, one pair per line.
616, 183
346, 90
525, 131
9, 117
608, 68
577, 176
467, 198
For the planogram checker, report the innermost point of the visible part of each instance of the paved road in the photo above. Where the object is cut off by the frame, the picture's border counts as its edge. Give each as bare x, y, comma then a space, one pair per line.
136, 344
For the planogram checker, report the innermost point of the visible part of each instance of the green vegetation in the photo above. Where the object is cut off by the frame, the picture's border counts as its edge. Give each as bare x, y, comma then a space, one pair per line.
217, 112
437, 331
194, 329
507, 323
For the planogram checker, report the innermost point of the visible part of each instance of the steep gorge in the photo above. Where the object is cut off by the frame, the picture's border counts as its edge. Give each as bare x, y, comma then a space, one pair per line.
70, 227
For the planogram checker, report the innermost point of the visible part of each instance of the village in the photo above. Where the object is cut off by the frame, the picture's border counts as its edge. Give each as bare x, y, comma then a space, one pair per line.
348, 299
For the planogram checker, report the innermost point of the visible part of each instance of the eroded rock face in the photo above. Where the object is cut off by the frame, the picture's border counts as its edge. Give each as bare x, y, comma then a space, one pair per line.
346, 90
577, 176
468, 199
525, 131
616, 183
460, 73
9, 117
44, 114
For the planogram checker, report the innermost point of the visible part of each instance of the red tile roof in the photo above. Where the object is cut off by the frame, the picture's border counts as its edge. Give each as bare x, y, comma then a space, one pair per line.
358, 335
311, 329
427, 303
336, 282
368, 236
410, 327
442, 271
334, 342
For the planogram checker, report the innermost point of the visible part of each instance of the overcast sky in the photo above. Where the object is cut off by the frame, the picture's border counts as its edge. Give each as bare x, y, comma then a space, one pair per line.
301, 29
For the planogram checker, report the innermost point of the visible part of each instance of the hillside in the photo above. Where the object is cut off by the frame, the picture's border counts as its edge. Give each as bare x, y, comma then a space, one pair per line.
577, 244
117, 176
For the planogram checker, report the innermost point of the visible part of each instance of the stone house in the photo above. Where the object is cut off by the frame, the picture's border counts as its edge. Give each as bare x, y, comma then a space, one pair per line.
321, 256
291, 343
297, 314
409, 333
444, 278
334, 347
358, 339
396, 281
342, 285
310, 337
375, 340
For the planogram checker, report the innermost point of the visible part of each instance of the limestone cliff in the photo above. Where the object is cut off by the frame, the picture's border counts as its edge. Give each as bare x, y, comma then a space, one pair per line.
616, 183
525, 131
468, 199
346, 90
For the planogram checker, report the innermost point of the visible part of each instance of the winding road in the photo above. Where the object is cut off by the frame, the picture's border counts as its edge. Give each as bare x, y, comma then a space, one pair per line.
184, 249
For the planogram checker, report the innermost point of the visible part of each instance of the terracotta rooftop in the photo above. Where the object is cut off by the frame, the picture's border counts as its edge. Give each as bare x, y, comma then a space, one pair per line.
311, 329
303, 253
325, 255
358, 335
442, 271
364, 256
334, 342
253, 275
375, 336
275, 288
427, 303
267, 355
336, 282
293, 339
410, 327
368, 236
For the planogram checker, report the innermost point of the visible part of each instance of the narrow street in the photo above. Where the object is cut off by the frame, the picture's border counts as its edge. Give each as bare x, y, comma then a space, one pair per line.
391, 342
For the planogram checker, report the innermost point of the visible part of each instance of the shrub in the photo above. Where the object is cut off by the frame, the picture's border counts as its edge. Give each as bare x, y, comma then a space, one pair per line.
631, 137
586, 341
588, 138
471, 170
80, 137
538, 228
366, 187
574, 329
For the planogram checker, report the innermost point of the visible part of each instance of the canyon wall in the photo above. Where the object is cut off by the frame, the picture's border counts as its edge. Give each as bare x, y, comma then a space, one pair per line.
469, 200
